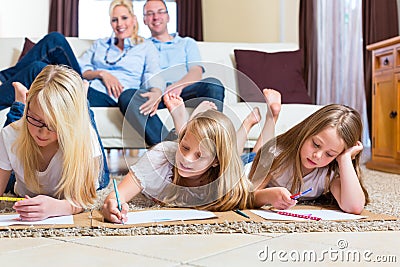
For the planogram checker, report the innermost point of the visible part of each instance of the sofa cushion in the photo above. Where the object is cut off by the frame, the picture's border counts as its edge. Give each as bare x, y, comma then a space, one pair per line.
28, 44
282, 71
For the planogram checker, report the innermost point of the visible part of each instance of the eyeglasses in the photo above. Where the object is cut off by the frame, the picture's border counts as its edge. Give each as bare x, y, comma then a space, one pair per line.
159, 12
38, 123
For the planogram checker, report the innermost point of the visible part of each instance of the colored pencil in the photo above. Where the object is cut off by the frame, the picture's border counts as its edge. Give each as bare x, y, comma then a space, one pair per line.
117, 197
299, 195
15, 199
242, 213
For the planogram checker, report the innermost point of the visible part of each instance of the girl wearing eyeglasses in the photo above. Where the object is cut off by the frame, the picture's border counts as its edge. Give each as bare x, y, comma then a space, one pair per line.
53, 149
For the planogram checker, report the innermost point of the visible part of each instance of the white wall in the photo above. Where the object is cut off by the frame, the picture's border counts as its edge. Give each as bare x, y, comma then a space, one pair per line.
20, 18
251, 20
290, 21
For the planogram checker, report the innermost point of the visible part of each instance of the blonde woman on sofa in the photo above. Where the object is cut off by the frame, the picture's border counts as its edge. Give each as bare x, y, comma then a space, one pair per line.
52, 150
122, 61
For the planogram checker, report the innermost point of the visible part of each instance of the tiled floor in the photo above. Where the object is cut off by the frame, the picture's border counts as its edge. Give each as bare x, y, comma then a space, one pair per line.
300, 249
306, 249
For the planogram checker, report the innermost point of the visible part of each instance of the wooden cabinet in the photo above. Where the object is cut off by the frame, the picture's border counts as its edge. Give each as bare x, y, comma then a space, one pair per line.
385, 139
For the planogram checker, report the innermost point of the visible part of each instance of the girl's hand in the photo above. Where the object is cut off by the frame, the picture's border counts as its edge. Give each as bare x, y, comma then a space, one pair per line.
347, 189
39, 208
111, 212
128, 188
114, 87
278, 197
351, 152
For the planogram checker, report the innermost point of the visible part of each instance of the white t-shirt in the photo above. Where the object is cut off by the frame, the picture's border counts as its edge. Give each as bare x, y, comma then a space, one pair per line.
48, 178
315, 179
154, 170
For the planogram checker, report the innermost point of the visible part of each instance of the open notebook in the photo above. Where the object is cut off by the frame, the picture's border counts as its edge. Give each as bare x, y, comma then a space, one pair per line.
304, 215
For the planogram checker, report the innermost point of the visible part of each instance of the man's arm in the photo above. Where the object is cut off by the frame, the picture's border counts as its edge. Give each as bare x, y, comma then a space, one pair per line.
194, 74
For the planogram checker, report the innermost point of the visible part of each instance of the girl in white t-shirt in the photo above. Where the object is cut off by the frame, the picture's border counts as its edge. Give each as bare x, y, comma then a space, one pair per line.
203, 170
322, 152
53, 150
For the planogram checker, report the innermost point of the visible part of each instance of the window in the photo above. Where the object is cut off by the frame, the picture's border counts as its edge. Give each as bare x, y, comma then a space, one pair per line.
94, 19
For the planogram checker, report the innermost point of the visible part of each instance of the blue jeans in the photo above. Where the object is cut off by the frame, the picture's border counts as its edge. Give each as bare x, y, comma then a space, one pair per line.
52, 49
152, 128
100, 99
104, 179
17, 111
248, 157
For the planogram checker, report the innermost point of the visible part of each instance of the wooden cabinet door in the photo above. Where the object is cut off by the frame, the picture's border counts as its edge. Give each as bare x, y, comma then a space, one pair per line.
384, 101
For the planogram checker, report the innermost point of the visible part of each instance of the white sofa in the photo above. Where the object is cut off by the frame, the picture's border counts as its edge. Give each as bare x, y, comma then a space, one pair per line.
219, 60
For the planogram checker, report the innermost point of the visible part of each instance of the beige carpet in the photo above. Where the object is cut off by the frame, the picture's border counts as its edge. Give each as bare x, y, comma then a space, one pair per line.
384, 189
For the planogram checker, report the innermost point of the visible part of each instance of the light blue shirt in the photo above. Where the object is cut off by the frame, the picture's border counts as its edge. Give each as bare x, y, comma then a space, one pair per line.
134, 67
179, 55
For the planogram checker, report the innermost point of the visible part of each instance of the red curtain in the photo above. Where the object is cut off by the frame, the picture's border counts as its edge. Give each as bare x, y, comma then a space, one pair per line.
308, 44
190, 19
64, 17
380, 22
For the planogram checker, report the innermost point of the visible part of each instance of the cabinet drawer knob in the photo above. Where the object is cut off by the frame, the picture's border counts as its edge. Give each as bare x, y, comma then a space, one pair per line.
386, 61
393, 114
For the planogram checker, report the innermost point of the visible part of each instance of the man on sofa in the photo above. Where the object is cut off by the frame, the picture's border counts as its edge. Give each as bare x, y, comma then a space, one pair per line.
180, 62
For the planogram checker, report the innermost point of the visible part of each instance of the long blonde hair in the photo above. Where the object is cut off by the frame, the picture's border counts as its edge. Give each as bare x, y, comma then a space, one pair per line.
60, 93
348, 125
136, 39
217, 133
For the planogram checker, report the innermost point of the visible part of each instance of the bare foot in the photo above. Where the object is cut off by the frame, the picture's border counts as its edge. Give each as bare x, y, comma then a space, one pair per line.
203, 106
21, 92
172, 101
274, 101
252, 119
176, 108
273, 98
